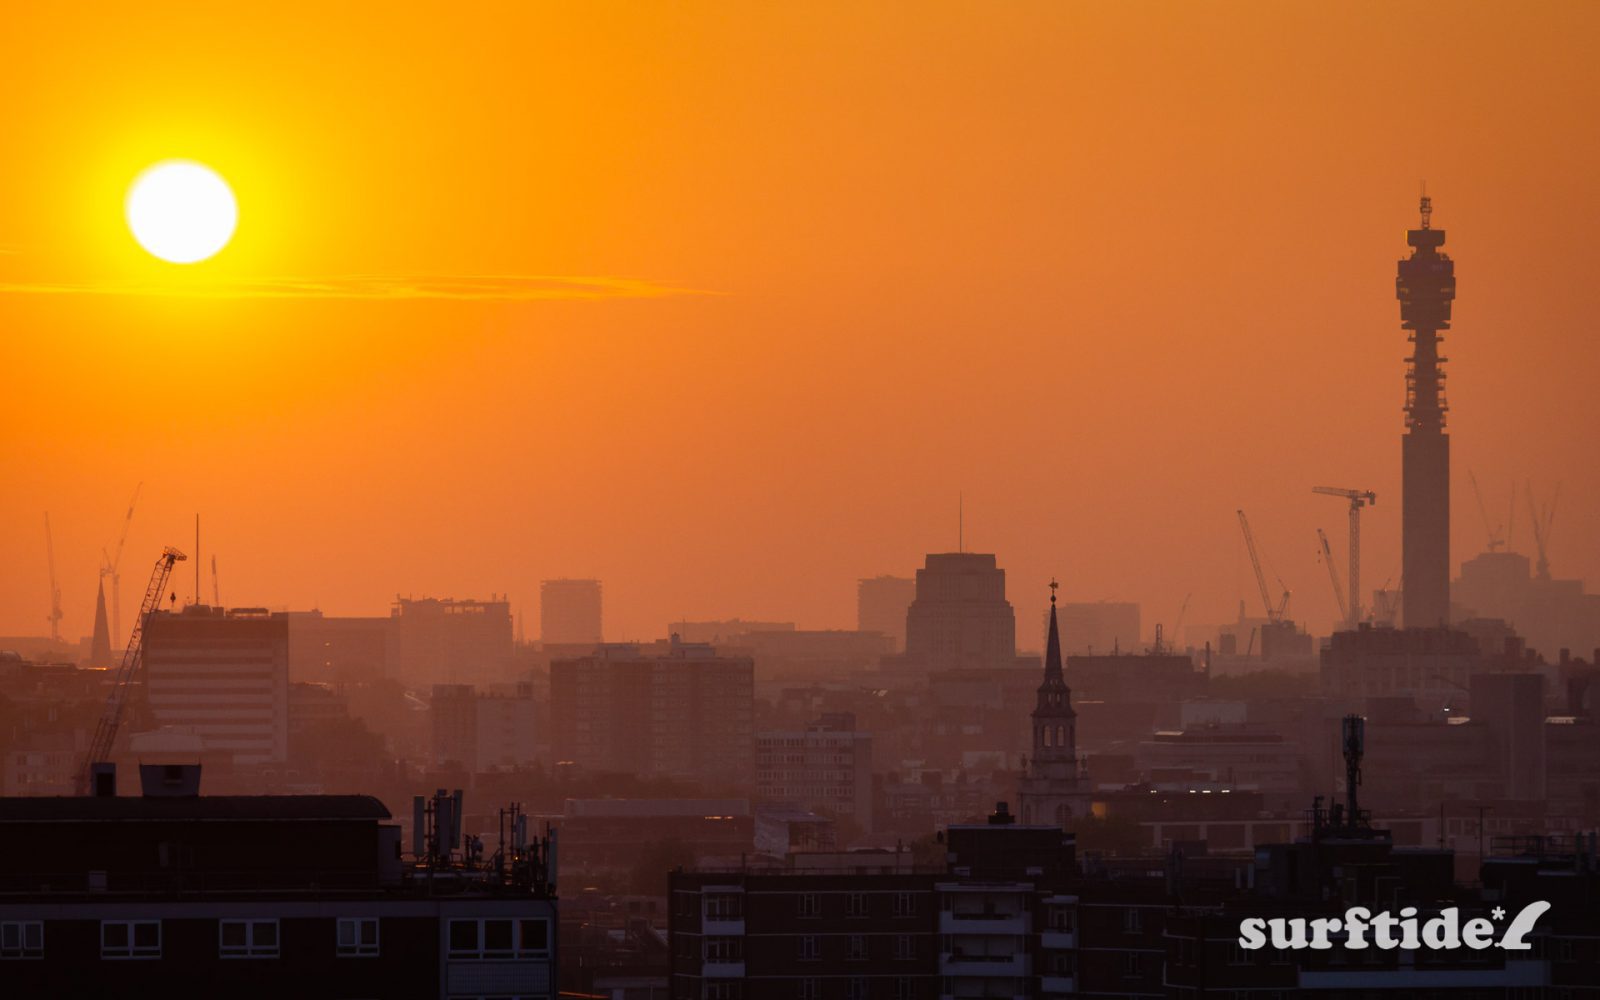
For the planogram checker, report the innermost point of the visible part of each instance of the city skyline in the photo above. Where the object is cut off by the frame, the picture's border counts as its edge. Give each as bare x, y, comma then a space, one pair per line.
1213, 234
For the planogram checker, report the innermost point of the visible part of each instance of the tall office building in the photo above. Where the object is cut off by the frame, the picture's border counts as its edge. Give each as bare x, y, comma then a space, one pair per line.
674, 709
881, 605
452, 642
569, 611
225, 676
1101, 627
1425, 286
960, 617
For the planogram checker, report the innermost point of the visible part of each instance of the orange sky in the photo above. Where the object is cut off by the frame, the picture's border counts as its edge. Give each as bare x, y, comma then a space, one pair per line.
1111, 270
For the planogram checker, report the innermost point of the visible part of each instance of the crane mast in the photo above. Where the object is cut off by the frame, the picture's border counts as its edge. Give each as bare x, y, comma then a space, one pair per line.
112, 567
1358, 499
105, 734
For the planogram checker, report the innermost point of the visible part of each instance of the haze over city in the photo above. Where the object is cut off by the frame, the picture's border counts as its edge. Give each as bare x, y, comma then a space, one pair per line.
800, 501
1109, 273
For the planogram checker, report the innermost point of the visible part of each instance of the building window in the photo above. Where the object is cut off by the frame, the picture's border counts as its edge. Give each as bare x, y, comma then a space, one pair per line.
905, 989
808, 951
1132, 967
855, 904
724, 991
1132, 921
498, 938
856, 989
1059, 919
724, 906
905, 904
247, 938
130, 939
809, 989
22, 939
724, 949
857, 949
807, 905
905, 948
358, 937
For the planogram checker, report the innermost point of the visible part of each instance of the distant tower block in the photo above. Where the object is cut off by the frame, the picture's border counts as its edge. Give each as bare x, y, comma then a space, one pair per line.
570, 611
1425, 286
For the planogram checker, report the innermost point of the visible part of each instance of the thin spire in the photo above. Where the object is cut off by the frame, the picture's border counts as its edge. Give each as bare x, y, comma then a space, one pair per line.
961, 523
1052, 646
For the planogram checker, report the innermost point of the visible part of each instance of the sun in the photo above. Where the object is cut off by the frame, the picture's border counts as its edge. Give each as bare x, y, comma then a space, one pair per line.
181, 211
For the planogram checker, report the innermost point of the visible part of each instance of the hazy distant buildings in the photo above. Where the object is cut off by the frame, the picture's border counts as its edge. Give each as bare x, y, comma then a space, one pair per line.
1099, 626
570, 612
484, 731
1550, 614
342, 650
223, 675
827, 767
674, 709
1430, 666
451, 641
724, 632
881, 606
960, 617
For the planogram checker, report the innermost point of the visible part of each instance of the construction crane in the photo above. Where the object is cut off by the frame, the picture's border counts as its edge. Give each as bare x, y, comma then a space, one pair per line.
105, 734
112, 567
55, 591
1358, 499
1333, 574
1543, 519
1273, 614
1496, 534
1182, 610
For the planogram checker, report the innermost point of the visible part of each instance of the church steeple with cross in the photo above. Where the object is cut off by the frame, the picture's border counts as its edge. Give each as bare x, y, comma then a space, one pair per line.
1052, 791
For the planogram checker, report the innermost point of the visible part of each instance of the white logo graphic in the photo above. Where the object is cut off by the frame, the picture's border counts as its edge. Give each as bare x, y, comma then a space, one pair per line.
1439, 933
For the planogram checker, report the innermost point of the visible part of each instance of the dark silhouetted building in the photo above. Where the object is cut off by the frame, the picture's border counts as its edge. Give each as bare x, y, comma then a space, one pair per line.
172, 893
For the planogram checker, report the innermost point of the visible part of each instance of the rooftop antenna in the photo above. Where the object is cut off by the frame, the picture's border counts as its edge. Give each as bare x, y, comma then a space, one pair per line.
197, 558
1427, 207
961, 523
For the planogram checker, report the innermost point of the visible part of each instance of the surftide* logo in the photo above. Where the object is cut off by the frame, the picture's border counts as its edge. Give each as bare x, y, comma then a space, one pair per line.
1386, 931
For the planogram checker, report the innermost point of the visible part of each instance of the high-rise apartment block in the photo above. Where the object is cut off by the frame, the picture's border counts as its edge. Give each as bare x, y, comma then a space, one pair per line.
569, 612
674, 709
827, 767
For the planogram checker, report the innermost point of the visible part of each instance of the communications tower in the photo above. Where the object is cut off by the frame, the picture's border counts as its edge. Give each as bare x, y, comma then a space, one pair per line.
1425, 285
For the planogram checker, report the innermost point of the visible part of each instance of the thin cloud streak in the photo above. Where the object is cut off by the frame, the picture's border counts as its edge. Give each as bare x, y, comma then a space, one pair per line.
464, 288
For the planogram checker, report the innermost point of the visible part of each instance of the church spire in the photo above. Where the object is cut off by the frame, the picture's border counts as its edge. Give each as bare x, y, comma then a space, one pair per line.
1052, 648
